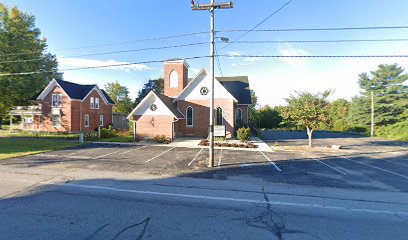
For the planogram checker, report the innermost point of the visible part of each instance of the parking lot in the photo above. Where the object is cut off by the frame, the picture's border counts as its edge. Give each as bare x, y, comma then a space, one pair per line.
363, 164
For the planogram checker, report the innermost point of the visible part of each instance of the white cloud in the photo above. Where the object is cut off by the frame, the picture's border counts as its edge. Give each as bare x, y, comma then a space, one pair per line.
235, 53
289, 50
82, 62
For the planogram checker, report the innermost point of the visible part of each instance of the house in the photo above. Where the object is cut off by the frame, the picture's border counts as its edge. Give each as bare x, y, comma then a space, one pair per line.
67, 107
184, 107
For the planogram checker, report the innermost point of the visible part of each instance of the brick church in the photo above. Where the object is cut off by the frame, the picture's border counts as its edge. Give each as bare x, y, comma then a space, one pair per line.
184, 107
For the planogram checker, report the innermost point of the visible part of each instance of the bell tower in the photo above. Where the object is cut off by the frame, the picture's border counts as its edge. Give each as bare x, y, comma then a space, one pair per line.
175, 77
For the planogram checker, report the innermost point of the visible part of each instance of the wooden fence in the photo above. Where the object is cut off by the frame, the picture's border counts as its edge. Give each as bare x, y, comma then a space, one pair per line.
119, 121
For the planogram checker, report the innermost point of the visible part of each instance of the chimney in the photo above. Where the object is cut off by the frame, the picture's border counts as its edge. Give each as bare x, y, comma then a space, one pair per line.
175, 77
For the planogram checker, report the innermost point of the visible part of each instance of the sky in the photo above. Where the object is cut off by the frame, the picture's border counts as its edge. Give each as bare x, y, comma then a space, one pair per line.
101, 26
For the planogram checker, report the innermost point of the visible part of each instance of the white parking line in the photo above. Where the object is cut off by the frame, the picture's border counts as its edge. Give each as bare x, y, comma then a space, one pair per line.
378, 168
219, 159
327, 165
84, 150
195, 157
101, 156
158, 155
133, 150
273, 164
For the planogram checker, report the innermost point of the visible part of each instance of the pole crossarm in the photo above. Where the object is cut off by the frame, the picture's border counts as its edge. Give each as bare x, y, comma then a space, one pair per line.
221, 5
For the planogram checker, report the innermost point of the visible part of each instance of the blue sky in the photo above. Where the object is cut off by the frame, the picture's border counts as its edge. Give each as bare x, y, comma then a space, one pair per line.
74, 23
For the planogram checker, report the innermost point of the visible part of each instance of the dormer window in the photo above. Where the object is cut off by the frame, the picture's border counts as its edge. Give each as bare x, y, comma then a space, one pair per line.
173, 79
56, 100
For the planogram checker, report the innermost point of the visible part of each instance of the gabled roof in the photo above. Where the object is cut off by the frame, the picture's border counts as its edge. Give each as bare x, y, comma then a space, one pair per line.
74, 91
167, 101
238, 87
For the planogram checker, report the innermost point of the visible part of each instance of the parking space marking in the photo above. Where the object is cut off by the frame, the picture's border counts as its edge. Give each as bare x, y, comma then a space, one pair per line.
273, 164
133, 149
195, 157
159, 155
219, 159
101, 156
378, 168
327, 165
86, 150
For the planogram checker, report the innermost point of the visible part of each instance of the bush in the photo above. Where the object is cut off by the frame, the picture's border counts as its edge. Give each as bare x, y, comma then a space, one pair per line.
397, 131
108, 133
161, 139
244, 134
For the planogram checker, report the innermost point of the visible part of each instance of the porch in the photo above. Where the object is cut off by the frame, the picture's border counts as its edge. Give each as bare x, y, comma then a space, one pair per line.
30, 117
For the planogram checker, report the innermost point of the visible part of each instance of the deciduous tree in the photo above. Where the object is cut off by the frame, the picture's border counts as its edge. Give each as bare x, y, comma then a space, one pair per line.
120, 95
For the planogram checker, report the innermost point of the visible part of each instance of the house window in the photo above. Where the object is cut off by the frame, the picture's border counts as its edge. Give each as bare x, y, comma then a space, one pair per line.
86, 120
56, 100
101, 120
92, 102
173, 79
189, 117
218, 118
56, 120
97, 103
238, 117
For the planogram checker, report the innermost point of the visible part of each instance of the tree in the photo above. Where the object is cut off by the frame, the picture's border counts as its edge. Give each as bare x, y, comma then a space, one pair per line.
20, 40
253, 113
307, 110
338, 114
390, 95
120, 95
269, 117
156, 85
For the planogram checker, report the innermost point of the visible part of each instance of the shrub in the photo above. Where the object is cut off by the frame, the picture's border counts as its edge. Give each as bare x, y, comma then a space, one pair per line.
161, 139
397, 131
244, 134
108, 133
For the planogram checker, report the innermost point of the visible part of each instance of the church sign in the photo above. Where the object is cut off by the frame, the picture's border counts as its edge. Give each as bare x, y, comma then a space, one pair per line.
219, 131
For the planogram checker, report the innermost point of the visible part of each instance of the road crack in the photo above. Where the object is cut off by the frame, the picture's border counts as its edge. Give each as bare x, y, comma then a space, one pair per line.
142, 233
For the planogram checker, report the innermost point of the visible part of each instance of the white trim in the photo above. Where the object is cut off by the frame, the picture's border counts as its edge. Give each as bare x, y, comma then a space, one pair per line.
202, 71
222, 116
49, 88
143, 102
59, 121
92, 102
89, 120
98, 90
97, 101
192, 117
177, 61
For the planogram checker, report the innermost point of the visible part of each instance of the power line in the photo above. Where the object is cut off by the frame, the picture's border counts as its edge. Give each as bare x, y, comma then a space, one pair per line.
257, 25
326, 41
318, 29
112, 52
315, 56
111, 44
218, 60
96, 67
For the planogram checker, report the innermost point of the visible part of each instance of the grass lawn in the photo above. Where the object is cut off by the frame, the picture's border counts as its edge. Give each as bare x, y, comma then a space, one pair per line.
15, 147
118, 139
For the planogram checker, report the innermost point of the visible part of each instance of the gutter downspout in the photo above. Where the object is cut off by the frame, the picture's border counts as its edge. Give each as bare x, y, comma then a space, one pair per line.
173, 129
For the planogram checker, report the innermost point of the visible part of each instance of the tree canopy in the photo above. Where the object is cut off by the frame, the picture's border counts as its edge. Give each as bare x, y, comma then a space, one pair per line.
120, 95
307, 110
156, 85
22, 50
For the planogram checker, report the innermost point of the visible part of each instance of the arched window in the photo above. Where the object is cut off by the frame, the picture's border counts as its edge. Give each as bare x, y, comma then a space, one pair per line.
238, 117
189, 117
218, 118
173, 79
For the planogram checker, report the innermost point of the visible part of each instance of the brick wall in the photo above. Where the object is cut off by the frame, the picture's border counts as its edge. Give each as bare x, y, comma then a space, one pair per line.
201, 113
65, 119
104, 109
182, 72
151, 126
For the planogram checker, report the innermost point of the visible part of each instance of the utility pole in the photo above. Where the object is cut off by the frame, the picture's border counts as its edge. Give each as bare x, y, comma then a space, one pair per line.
211, 8
372, 114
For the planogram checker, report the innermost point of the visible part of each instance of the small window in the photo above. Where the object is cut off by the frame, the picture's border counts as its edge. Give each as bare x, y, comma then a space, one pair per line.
92, 102
97, 103
56, 100
56, 121
86, 120
238, 117
218, 119
101, 120
189, 117
173, 79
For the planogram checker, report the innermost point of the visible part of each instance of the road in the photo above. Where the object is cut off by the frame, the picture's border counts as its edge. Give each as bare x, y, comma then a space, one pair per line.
83, 204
